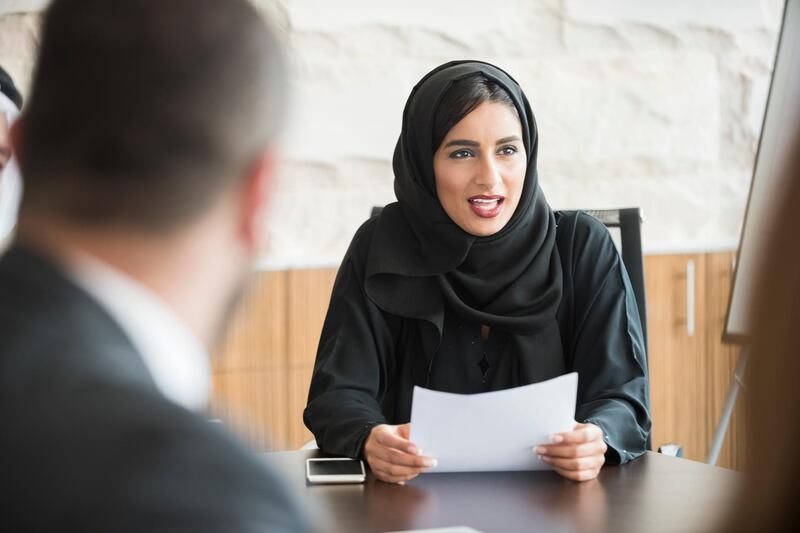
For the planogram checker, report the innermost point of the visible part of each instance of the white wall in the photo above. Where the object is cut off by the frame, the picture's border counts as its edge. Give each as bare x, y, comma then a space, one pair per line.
655, 104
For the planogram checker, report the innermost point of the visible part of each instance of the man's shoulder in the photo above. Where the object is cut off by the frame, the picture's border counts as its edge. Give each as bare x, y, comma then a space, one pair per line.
88, 442
54, 335
145, 461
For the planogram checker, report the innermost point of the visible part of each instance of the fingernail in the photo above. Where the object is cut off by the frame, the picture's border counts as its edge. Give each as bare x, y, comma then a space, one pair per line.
419, 451
431, 463
414, 451
556, 438
401, 482
540, 449
542, 458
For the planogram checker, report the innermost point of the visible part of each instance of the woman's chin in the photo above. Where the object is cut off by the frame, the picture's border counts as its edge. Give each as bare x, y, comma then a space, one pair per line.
483, 227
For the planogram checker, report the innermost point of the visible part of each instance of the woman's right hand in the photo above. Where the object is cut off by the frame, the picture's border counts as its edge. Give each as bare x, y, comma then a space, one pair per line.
392, 457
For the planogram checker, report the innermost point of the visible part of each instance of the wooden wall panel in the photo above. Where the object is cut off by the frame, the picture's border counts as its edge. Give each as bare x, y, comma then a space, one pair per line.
250, 367
254, 405
690, 376
722, 360
677, 366
309, 295
264, 365
257, 336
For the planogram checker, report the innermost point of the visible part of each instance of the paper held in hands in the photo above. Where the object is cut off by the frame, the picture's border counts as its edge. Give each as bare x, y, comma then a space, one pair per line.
492, 431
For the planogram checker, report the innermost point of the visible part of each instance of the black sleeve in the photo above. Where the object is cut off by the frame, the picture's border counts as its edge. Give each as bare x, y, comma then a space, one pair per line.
606, 345
354, 361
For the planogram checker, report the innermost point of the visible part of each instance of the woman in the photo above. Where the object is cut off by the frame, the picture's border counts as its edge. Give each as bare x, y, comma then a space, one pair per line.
470, 283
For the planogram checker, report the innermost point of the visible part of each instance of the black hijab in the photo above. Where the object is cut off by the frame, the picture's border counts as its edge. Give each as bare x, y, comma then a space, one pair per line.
420, 260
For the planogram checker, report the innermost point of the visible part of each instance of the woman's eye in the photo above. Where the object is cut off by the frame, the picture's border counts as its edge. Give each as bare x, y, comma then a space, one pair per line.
460, 154
508, 150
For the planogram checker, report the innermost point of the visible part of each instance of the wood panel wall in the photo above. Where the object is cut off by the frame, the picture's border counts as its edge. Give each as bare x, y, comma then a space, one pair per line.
722, 360
690, 374
263, 367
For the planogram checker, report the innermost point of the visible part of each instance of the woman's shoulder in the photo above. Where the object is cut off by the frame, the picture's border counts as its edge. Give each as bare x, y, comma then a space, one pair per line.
358, 251
581, 227
363, 235
384, 233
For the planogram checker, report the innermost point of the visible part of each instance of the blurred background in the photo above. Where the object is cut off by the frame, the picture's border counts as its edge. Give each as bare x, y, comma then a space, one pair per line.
655, 105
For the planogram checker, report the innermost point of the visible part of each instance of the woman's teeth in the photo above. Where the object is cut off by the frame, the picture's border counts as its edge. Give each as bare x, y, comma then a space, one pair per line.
485, 202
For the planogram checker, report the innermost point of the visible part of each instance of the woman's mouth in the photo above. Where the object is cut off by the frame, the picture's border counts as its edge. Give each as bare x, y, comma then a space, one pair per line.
486, 206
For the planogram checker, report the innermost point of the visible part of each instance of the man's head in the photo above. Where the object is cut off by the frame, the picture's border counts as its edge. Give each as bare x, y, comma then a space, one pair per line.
149, 118
142, 112
5, 143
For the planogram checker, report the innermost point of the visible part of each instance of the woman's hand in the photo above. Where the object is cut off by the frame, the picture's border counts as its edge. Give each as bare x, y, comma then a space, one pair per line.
578, 454
392, 457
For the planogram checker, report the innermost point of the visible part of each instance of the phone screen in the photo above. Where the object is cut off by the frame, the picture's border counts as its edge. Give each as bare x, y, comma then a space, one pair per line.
345, 467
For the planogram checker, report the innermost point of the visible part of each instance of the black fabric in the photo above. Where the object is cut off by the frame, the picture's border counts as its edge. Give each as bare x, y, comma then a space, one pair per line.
88, 442
420, 261
370, 359
8, 88
465, 364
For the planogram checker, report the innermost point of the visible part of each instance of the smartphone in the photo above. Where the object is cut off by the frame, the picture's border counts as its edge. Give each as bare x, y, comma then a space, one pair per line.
335, 470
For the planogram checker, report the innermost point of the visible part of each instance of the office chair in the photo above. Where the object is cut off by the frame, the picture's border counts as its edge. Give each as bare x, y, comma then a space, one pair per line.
629, 221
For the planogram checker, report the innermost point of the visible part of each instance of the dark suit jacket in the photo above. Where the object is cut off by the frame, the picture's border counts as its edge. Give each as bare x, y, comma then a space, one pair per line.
88, 443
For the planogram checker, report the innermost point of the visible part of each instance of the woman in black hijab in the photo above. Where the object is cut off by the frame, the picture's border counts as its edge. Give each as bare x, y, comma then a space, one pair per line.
471, 283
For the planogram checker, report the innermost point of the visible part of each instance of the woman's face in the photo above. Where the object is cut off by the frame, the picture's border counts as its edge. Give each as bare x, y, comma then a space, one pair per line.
480, 169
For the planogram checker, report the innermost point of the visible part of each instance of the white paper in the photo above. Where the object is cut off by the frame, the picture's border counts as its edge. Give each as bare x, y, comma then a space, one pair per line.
492, 431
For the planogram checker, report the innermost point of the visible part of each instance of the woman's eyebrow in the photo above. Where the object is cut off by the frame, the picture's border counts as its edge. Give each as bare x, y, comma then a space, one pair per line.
510, 138
462, 142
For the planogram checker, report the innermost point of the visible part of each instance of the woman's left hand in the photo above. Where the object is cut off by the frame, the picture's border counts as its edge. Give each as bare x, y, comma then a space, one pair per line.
578, 454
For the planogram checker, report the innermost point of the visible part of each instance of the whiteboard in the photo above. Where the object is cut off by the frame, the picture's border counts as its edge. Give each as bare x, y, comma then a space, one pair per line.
780, 126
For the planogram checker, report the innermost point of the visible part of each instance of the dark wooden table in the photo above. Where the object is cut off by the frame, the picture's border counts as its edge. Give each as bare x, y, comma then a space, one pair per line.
652, 494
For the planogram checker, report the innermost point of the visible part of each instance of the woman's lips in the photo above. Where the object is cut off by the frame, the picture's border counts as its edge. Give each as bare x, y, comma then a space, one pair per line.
486, 206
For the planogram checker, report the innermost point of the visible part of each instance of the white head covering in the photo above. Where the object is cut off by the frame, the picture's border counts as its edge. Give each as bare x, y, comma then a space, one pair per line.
10, 180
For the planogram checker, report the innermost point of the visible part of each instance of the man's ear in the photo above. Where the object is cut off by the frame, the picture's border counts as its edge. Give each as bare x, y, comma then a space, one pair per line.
257, 191
16, 138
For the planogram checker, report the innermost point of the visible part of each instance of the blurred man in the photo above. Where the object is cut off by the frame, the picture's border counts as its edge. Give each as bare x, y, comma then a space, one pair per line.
10, 185
146, 151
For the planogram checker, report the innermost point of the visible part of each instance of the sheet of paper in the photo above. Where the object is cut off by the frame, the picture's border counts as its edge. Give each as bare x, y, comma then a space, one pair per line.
492, 431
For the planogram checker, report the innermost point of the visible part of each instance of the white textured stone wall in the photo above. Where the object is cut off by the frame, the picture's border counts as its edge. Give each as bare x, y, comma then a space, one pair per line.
655, 104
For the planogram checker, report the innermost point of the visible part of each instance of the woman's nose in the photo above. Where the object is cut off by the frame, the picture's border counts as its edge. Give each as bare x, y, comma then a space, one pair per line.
488, 173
